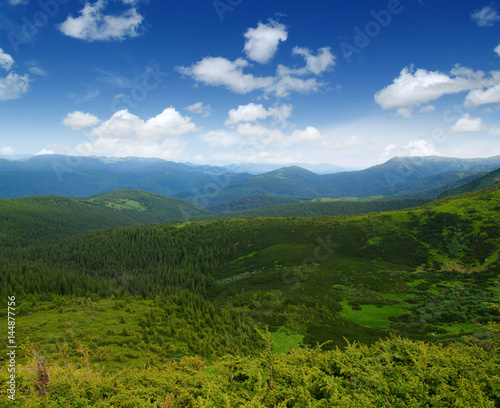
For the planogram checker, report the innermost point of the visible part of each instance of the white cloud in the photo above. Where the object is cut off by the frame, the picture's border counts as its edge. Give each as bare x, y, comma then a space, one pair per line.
36, 70
7, 150
309, 134
246, 113
497, 49
124, 125
412, 89
17, 2
262, 42
468, 124
421, 147
414, 148
315, 64
428, 108
219, 71
253, 112
78, 120
255, 137
44, 151
478, 97
265, 136
94, 25
6, 61
201, 109
13, 86
288, 83
485, 17
125, 134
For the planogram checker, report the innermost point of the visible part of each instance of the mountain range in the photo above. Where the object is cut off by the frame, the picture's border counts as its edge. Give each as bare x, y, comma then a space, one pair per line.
203, 185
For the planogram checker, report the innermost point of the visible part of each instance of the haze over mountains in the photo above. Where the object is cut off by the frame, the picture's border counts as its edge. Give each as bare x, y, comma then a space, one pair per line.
71, 176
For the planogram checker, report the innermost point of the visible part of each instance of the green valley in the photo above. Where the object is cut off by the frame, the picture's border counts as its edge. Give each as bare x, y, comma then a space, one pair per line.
249, 290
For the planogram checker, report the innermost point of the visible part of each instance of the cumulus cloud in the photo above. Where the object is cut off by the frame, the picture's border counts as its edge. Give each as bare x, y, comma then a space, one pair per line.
253, 112
262, 42
78, 120
125, 134
497, 50
94, 25
274, 137
259, 137
7, 150
468, 124
414, 148
323, 61
478, 97
6, 61
220, 71
485, 17
13, 85
414, 88
201, 109
125, 125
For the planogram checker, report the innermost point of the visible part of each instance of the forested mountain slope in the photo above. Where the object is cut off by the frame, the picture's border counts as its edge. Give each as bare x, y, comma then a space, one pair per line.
43, 219
193, 300
488, 180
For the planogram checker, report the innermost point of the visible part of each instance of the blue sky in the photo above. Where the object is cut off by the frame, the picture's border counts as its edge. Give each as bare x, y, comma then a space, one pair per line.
351, 83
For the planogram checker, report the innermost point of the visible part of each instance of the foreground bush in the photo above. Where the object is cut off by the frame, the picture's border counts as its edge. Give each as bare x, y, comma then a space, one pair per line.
390, 373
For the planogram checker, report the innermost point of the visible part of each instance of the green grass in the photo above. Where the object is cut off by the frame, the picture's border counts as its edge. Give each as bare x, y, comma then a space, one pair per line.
284, 339
460, 328
371, 315
112, 332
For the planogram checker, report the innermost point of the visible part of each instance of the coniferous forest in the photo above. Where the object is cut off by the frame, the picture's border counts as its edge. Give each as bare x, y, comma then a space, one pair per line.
382, 309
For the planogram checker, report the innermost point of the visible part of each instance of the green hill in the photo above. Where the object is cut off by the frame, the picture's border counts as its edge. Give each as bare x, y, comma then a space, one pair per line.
41, 219
488, 180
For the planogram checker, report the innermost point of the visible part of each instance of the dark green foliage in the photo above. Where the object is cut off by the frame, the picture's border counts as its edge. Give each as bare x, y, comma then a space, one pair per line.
45, 219
324, 208
253, 201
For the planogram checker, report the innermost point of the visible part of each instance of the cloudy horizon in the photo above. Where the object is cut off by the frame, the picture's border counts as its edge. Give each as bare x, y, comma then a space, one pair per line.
348, 85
